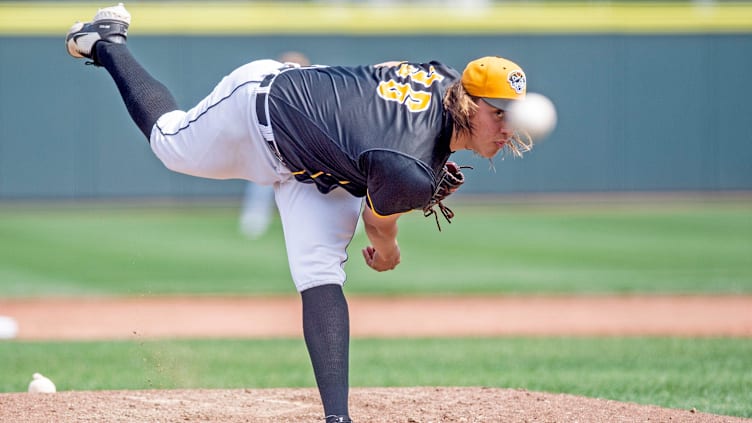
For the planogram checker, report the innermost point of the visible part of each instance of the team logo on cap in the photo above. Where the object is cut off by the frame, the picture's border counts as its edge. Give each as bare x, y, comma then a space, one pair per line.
517, 81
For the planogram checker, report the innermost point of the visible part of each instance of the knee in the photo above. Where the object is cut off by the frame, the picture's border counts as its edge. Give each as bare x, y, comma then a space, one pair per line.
305, 284
170, 144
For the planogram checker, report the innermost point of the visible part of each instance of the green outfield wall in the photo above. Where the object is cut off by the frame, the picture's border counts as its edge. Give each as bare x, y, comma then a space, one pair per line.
650, 98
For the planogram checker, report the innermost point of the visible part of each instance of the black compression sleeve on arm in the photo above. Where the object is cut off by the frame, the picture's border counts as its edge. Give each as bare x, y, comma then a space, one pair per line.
145, 98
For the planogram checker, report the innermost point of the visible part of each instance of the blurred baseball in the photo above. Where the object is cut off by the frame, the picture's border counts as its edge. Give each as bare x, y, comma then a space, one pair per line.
41, 385
8, 327
536, 115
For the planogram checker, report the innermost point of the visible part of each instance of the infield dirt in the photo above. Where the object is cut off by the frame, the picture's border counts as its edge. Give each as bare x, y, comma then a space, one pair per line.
155, 317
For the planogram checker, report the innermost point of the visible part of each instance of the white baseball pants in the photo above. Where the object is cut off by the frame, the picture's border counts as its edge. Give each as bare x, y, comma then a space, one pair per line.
220, 138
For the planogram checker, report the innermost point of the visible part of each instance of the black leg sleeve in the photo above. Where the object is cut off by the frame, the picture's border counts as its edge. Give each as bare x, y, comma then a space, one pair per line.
326, 327
145, 98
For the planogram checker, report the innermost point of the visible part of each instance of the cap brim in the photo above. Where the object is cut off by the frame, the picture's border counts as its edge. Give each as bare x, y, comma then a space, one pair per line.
499, 103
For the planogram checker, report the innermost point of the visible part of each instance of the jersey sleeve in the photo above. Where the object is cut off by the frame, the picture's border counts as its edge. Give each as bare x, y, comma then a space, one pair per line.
396, 183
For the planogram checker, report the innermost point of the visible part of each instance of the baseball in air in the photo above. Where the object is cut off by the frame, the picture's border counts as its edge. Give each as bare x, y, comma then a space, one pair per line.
41, 385
535, 114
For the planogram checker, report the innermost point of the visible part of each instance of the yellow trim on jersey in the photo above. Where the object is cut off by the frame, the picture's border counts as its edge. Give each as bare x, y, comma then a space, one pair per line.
370, 204
317, 174
223, 17
370, 207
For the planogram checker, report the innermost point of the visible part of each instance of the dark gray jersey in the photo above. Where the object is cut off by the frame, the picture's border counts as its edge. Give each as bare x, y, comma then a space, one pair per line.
375, 131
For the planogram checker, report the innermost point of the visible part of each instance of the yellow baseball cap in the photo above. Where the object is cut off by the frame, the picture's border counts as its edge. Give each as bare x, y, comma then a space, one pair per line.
496, 80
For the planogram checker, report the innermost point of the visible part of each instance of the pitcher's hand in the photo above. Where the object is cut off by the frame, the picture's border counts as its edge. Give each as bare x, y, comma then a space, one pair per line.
379, 262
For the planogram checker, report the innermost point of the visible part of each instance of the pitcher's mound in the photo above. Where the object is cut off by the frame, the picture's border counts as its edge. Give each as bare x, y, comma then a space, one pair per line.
368, 405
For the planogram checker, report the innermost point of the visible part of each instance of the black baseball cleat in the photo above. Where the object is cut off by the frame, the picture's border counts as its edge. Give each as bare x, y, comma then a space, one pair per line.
109, 24
338, 419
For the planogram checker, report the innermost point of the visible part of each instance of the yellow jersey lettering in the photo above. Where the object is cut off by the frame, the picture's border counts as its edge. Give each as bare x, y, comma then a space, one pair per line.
405, 70
427, 78
414, 100
421, 76
393, 91
418, 101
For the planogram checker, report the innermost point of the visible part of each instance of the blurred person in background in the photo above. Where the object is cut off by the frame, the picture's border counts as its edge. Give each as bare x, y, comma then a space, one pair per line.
329, 139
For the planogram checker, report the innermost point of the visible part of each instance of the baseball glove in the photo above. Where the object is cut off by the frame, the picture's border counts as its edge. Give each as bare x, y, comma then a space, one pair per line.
450, 180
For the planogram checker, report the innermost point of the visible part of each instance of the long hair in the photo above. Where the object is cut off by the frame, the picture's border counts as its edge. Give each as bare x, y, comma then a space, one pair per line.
461, 106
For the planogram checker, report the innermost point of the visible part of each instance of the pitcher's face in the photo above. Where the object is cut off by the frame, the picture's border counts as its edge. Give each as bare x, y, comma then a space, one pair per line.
490, 131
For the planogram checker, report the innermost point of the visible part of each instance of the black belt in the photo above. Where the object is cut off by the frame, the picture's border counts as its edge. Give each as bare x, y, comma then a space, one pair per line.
261, 115
261, 99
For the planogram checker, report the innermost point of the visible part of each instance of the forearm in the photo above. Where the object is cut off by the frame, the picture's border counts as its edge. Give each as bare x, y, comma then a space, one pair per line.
383, 235
383, 253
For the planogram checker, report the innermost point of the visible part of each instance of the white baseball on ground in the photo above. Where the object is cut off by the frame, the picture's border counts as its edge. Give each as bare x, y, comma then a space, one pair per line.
41, 385
535, 114
8, 327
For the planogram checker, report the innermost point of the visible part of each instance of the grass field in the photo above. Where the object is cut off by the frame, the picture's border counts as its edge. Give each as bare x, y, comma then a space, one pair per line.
560, 247
711, 375
697, 246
